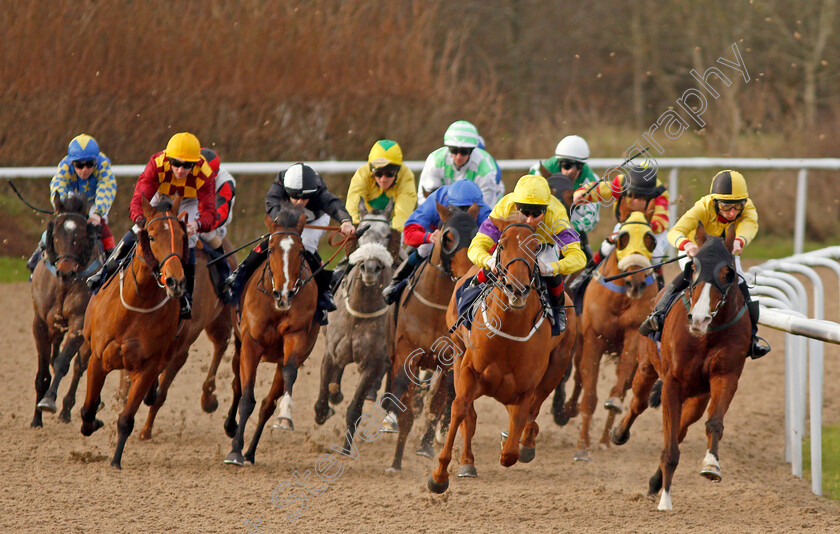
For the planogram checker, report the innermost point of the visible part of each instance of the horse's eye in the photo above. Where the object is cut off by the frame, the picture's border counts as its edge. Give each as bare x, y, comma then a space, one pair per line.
151, 239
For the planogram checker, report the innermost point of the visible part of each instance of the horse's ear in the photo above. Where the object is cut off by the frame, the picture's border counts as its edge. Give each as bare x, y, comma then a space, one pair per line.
474, 210
176, 203
301, 223
730, 238
700, 235
269, 223
362, 208
501, 224
56, 202
624, 211
389, 209
443, 211
148, 211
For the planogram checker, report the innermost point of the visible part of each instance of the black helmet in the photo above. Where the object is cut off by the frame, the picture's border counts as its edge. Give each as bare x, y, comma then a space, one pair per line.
641, 181
300, 181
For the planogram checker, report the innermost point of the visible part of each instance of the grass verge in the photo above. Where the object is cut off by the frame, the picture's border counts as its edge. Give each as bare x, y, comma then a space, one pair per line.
830, 461
13, 270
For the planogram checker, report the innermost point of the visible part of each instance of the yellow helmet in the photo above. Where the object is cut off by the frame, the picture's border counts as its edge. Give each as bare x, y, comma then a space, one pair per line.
533, 190
385, 152
184, 146
729, 185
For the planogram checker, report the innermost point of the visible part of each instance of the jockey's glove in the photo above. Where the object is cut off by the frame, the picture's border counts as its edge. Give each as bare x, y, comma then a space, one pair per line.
546, 269
490, 264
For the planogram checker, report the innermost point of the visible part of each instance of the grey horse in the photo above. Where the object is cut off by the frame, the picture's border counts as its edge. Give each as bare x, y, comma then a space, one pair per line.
356, 333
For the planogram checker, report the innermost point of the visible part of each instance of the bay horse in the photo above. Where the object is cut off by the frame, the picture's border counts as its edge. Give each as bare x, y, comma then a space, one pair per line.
59, 297
418, 323
508, 354
209, 314
357, 330
272, 330
612, 313
131, 322
705, 340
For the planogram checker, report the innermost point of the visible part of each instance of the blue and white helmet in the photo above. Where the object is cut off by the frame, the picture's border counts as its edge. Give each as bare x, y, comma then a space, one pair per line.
83, 147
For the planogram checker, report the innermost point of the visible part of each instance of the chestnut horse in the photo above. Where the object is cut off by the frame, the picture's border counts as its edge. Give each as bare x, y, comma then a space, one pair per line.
273, 330
508, 354
419, 330
705, 340
131, 323
612, 313
357, 330
60, 296
213, 317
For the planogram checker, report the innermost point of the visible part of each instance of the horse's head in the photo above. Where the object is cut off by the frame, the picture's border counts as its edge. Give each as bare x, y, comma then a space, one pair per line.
458, 227
163, 245
373, 255
634, 248
70, 239
714, 275
516, 258
285, 255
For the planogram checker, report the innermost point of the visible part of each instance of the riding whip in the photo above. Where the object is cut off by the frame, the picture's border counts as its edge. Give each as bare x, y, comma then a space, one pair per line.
24, 200
622, 275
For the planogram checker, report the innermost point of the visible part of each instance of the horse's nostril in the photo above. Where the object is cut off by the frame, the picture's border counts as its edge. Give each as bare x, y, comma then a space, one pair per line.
276, 295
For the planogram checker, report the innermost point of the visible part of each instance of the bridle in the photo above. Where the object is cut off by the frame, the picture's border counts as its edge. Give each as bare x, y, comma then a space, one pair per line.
723, 290
299, 282
81, 259
160, 265
515, 289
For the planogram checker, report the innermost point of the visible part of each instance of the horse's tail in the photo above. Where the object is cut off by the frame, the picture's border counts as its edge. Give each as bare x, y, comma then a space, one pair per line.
655, 397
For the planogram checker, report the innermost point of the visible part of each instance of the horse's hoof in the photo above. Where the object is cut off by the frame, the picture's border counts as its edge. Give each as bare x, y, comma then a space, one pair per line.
467, 471
235, 458
619, 439
527, 454
47, 405
336, 398
435, 487
321, 420
712, 472
36, 424
371, 396
116, 465
561, 418
284, 423
389, 425
583, 455
64, 416
209, 403
613, 404
427, 450
144, 435
249, 459
90, 428
391, 470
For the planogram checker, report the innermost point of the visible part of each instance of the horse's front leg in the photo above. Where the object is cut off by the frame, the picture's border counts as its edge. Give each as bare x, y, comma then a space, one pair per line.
218, 332
42, 376
236, 387
572, 408
404, 390
95, 379
269, 403
722, 391
590, 363
465, 392
140, 383
625, 370
175, 363
70, 397
296, 348
249, 360
467, 468
643, 382
61, 364
670, 458
323, 410
517, 419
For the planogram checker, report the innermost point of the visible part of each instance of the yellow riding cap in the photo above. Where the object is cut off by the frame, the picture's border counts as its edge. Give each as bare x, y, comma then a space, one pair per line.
385, 152
729, 185
184, 146
532, 189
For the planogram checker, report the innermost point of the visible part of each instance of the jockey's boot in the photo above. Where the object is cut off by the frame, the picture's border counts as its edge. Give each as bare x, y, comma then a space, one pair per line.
758, 346
585, 274
322, 280
186, 298
223, 269
393, 290
557, 300
35, 257
235, 283
654, 321
115, 259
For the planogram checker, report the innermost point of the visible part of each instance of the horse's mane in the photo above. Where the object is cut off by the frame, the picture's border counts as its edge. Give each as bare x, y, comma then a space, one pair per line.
515, 217
288, 216
74, 204
375, 233
372, 251
164, 205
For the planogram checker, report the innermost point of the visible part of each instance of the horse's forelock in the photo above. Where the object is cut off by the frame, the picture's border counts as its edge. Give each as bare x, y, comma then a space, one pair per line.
164, 205
372, 251
74, 204
288, 215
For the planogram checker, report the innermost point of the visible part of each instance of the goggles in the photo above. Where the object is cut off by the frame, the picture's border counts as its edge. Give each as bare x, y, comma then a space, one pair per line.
89, 163
567, 164
460, 151
175, 163
726, 205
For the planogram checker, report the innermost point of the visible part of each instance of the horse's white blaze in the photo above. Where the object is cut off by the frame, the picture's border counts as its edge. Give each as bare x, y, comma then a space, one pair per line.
286, 407
286, 245
166, 226
710, 459
69, 225
701, 312
665, 501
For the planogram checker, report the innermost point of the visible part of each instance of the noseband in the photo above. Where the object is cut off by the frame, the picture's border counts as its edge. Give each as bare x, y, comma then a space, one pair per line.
714, 280
157, 270
81, 259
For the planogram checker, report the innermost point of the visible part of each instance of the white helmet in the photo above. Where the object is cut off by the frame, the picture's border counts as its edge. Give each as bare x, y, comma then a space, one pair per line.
572, 147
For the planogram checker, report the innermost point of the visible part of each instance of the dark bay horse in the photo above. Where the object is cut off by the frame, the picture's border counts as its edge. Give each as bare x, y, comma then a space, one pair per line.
612, 313
508, 354
705, 340
277, 326
213, 317
60, 296
420, 333
357, 330
132, 321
